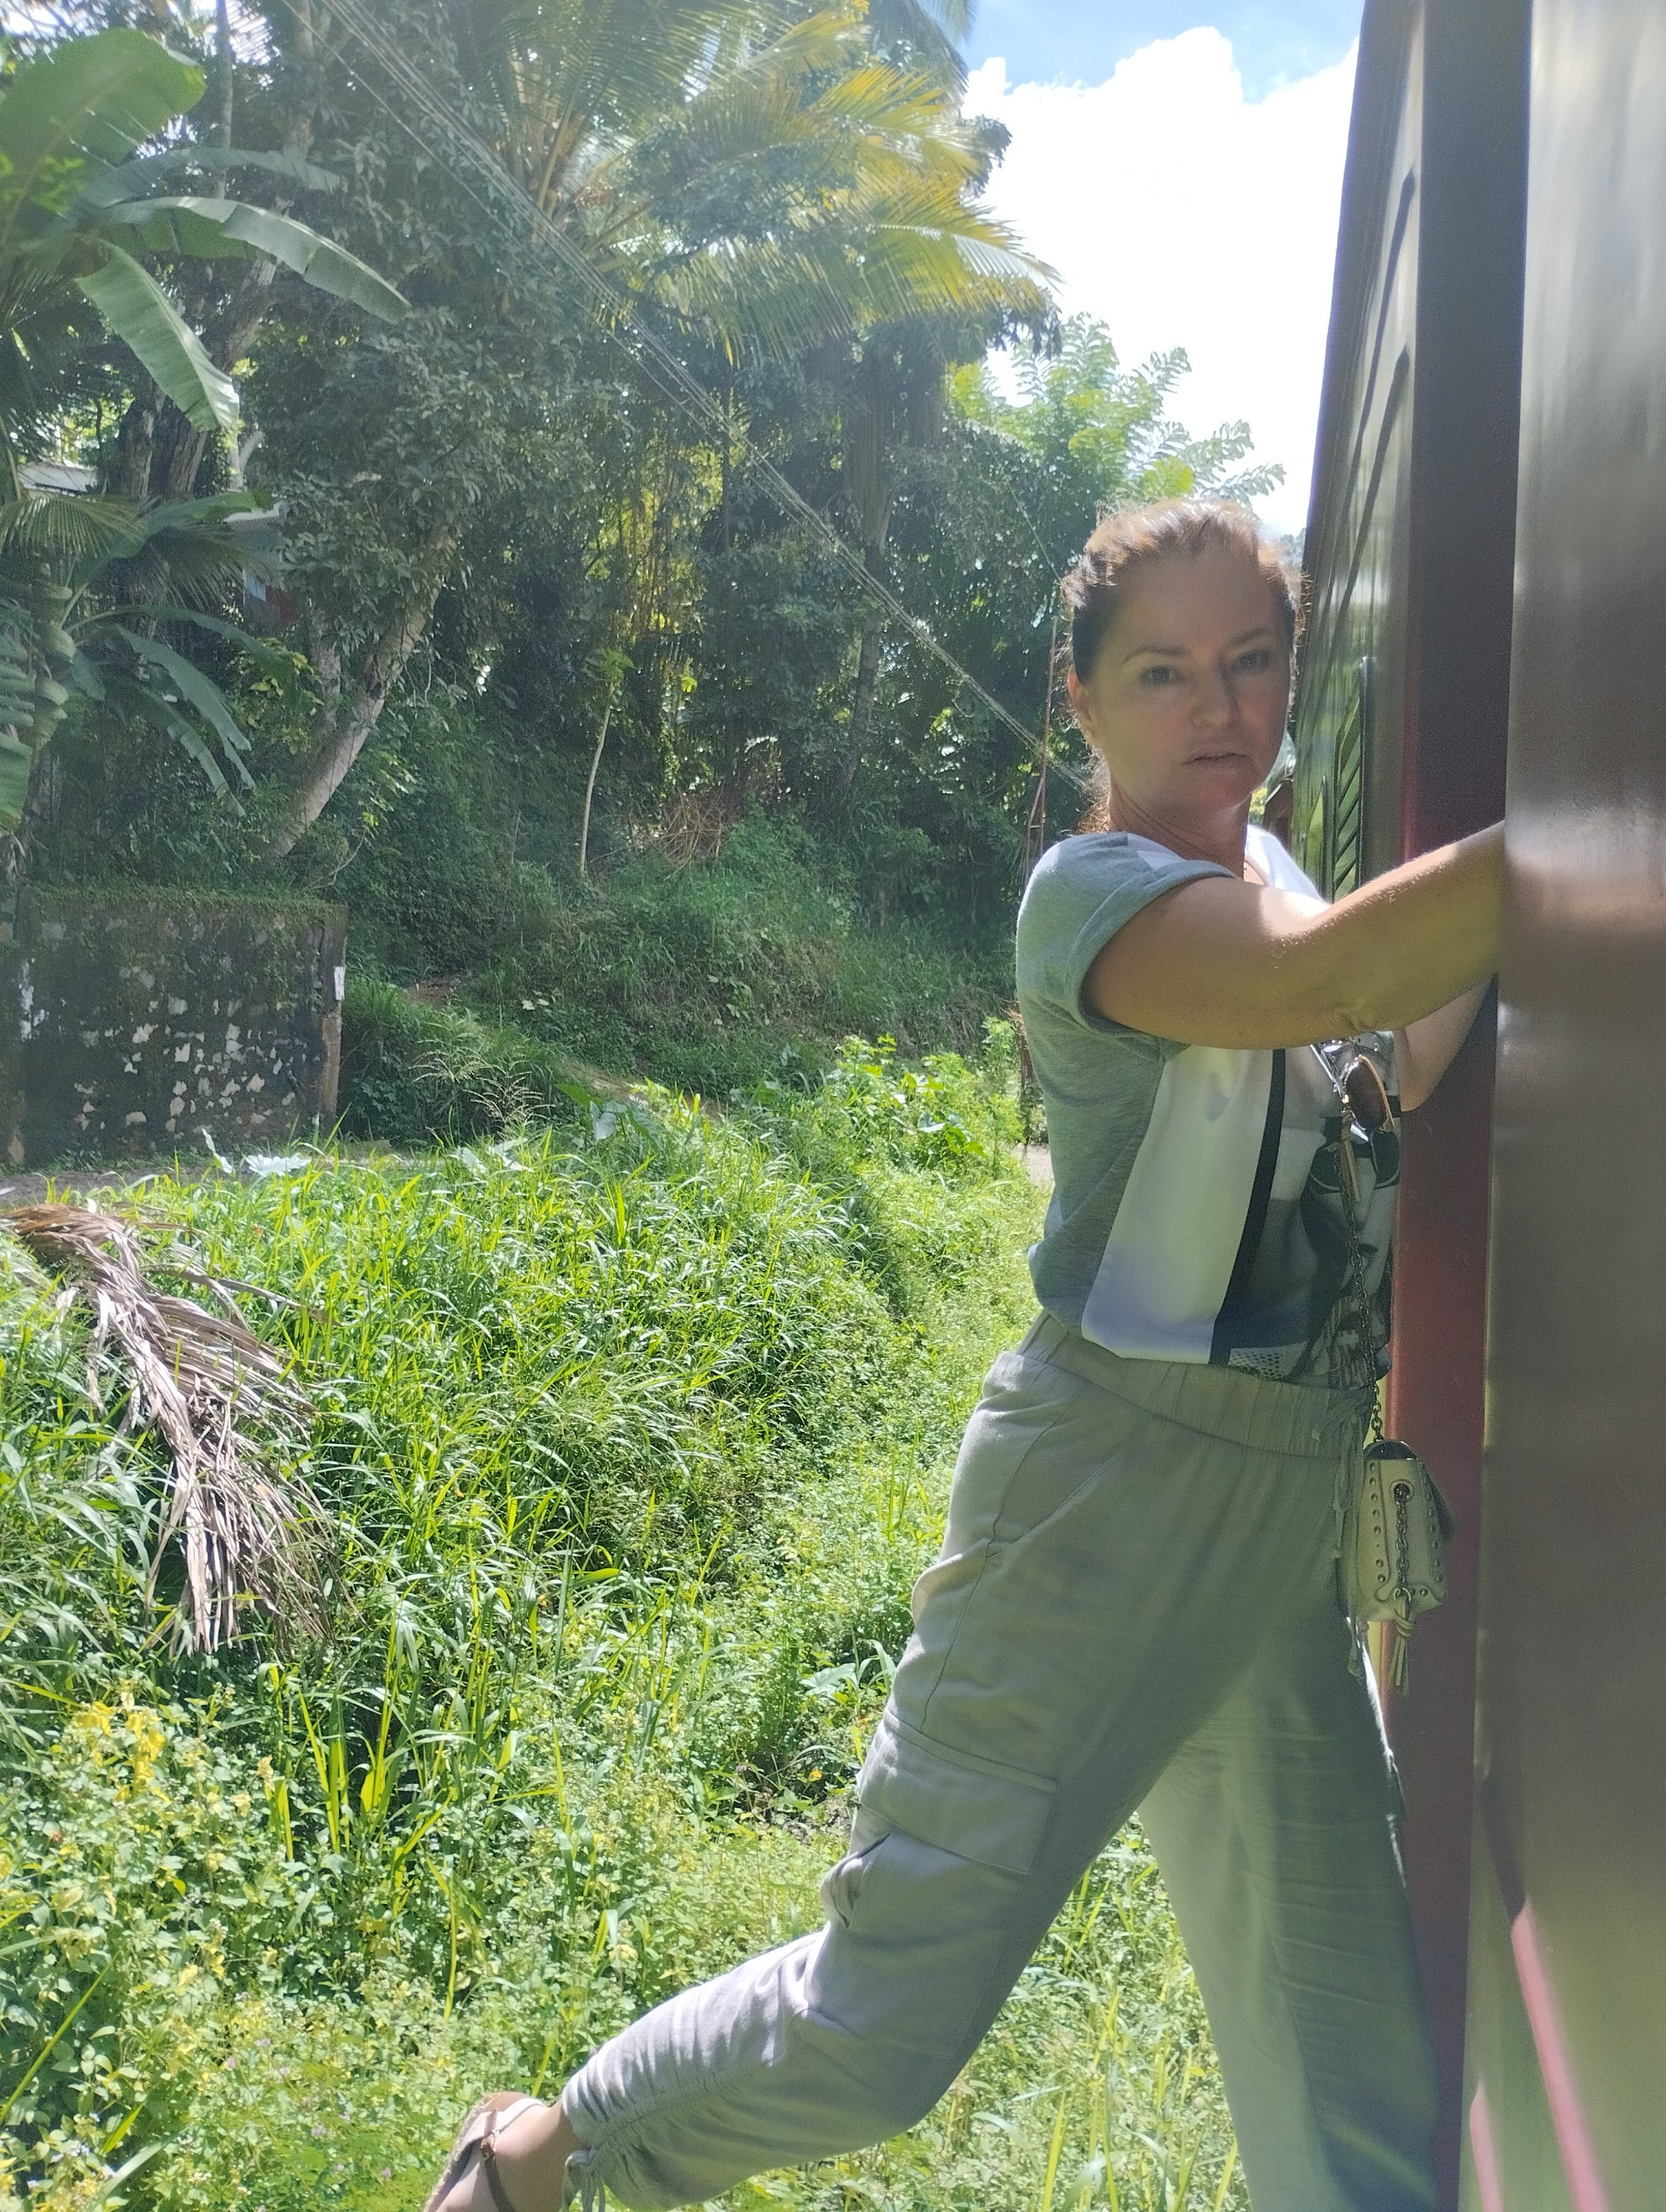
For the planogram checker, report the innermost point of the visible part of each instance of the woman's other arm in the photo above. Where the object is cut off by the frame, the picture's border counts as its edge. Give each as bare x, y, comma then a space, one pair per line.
1219, 963
1425, 1049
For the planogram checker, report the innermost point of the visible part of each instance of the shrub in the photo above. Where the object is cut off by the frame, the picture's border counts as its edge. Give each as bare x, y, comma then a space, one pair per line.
421, 1071
729, 972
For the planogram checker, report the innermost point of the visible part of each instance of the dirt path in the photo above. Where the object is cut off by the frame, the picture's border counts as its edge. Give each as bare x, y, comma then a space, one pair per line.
1038, 1164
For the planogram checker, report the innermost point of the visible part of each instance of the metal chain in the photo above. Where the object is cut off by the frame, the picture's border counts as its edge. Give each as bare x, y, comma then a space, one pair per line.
1347, 1191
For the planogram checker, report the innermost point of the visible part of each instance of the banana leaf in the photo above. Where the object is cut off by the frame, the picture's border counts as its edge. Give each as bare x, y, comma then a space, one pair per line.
15, 761
188, 224
198, 691
87, 100
118, 184
141, 313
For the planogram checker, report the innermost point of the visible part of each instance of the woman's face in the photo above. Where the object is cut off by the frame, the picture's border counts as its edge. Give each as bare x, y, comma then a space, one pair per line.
1187, 700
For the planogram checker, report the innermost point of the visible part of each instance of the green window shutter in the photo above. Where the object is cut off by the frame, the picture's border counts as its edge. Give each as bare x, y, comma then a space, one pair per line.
1346, 828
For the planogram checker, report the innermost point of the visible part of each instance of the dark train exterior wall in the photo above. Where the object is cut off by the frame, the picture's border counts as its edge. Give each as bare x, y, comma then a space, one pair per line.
1492, 465
1567, 2041
1401, 727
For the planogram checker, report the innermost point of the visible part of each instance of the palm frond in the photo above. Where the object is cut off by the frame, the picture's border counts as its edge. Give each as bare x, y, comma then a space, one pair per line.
226, 1408
198, 569
932, 32
569, 75
60, 526
279, 659
922, 257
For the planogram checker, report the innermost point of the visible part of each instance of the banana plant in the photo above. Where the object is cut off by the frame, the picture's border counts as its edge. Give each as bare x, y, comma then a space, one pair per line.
81, 202
79, 205
70, 624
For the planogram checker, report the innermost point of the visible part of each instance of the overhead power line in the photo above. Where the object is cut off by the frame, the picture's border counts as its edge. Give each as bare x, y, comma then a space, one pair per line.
662, 362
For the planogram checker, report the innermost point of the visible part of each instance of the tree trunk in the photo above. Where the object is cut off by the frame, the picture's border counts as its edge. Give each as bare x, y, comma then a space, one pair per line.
590, 788
222, 69
159, 451
867, 680
136, 443
344, 722
180, 446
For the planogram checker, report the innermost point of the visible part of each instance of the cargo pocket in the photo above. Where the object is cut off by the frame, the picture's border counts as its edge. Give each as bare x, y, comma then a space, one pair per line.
976, 1808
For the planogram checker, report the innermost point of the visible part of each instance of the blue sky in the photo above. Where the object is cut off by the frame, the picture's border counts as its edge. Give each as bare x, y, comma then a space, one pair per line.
1180, 167
1046, 42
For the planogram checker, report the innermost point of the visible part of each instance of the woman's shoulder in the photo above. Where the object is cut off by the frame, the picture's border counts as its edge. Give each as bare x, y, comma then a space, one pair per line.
1094, 861
1083, 890
1112, 872
1099, 848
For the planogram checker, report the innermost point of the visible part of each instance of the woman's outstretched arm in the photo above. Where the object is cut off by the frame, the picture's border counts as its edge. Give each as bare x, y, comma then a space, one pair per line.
1218, 962
1425, 1049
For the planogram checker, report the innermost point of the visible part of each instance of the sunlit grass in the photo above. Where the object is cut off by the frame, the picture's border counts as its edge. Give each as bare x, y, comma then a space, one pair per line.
630, 1452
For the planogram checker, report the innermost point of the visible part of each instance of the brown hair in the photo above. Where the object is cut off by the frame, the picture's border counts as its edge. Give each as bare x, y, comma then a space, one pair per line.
1133, 538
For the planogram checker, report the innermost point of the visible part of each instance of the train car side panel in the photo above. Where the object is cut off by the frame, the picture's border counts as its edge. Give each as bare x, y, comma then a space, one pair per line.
1568, 1970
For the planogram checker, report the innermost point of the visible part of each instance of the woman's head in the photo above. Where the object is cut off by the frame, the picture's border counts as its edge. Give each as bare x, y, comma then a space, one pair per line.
1182, 631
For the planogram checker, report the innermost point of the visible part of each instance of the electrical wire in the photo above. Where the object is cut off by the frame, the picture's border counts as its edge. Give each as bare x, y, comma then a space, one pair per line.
660, 361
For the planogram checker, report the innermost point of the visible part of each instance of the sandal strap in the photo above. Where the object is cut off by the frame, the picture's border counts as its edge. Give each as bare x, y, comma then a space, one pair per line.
500, 2196
488, 2147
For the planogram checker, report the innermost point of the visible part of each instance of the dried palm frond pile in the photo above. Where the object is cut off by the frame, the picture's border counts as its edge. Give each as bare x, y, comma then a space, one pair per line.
222, 1403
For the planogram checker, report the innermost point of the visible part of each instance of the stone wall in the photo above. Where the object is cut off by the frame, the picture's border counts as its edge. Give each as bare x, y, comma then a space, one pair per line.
139, 1023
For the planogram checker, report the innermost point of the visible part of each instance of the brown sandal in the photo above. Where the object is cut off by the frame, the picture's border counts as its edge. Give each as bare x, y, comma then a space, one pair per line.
478, 2139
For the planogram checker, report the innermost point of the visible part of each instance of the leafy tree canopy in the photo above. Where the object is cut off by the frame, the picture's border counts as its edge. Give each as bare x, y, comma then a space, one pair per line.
473, 471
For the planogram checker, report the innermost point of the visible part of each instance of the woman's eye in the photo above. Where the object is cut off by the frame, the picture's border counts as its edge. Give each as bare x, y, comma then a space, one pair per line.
1160, 673
1258, 658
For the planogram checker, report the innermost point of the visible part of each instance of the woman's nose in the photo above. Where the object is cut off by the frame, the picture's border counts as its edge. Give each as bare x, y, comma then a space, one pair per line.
1213, 701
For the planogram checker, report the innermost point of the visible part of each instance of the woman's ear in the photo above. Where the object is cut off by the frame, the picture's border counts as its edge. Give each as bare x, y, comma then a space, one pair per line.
1076, 691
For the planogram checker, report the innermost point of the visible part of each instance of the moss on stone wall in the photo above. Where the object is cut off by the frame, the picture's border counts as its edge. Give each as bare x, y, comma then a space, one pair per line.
146, 1022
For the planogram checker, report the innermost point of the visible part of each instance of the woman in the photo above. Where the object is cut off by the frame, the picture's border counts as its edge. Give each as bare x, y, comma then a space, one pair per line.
1136, 1604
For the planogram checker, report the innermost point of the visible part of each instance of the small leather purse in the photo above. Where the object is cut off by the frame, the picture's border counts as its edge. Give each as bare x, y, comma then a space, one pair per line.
1396, 1524
1396, 1527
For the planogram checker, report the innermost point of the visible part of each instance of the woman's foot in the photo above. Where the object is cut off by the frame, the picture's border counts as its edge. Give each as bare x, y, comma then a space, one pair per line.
518, 2143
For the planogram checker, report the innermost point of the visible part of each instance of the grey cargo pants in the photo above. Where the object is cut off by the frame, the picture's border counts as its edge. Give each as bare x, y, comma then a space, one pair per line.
1134, 1607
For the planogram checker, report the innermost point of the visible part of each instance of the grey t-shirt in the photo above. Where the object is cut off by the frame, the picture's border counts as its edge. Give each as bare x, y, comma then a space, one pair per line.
1195, 1208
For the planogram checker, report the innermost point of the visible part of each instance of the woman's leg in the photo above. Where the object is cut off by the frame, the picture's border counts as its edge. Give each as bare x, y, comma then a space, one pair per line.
1109, 1570
1275, 1830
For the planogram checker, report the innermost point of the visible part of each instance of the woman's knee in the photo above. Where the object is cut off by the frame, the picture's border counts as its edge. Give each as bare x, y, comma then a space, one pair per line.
921, 1947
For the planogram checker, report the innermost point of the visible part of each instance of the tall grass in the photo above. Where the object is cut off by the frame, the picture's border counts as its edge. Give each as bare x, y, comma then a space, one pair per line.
630, 1447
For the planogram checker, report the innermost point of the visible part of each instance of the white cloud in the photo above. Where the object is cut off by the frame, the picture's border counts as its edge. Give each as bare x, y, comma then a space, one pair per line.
1179, 213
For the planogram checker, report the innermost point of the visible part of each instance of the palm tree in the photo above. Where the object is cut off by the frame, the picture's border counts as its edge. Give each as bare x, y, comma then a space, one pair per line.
874, 243
751, 184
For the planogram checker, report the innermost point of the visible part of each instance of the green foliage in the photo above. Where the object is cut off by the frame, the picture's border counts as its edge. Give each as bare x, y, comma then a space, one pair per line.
1101, 432
881, 1136
76, 206
421, 1071
496, 529
631, 1452
717, 976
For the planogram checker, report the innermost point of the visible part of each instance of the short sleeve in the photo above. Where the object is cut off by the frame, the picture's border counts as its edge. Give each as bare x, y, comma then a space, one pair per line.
1084, 890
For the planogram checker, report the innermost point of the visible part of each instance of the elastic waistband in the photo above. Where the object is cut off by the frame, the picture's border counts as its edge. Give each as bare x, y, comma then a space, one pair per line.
1220, 1402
